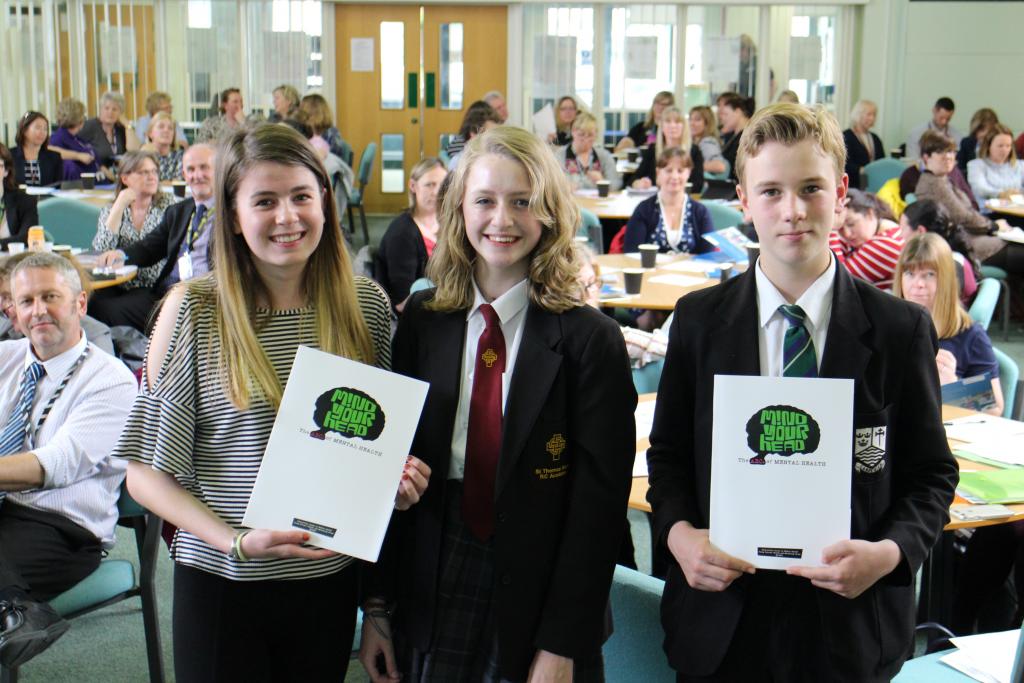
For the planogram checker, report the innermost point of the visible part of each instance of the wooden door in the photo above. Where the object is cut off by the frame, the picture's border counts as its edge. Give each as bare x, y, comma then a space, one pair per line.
422, 118
361, 116
484, 63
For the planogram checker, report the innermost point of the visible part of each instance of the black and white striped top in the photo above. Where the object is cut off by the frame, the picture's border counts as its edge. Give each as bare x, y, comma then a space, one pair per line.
187, 426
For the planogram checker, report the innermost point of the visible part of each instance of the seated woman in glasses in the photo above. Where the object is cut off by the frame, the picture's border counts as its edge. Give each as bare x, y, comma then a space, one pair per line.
938, 154
136, 210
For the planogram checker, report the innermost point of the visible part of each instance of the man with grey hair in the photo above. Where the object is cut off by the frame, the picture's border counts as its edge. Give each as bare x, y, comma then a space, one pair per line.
182, 240
62, 405
497, 101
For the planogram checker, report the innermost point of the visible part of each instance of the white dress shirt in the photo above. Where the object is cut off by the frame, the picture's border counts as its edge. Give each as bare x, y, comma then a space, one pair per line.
80, 480
511, 309
817, 304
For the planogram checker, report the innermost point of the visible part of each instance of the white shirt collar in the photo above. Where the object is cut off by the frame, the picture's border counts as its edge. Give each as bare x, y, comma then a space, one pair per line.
507, 306
59, 365
816, 300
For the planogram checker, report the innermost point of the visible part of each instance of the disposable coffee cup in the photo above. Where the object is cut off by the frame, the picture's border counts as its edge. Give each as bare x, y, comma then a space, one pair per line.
603, 186
632, 155
88, 181
725, 271
648, 255
179, 187
15, 247
753, 251
633, 279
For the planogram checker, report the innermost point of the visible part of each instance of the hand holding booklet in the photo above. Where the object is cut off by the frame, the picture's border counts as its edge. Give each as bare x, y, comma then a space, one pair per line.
781, 468
335, 456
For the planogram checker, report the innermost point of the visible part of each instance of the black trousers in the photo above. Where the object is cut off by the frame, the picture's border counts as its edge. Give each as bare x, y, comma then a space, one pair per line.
43, 553
778, 638
116, 306
262, 631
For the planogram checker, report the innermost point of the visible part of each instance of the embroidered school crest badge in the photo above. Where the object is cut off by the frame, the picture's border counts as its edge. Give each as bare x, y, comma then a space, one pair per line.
488, 357
555, 446
869, 450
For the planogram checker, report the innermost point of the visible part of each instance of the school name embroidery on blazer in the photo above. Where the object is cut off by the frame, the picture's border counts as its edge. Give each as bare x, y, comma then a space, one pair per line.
348, 412
781, 431
869, 449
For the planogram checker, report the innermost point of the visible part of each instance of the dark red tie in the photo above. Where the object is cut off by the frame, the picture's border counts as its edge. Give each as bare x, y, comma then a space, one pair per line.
483, 440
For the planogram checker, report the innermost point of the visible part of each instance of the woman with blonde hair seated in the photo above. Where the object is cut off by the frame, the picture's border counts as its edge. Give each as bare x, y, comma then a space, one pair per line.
925, 274
672, 132
997, 172
862, 145
704, 131
584, 162
162, 143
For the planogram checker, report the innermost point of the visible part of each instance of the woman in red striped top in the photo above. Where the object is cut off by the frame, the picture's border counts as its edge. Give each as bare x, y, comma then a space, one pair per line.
867, 239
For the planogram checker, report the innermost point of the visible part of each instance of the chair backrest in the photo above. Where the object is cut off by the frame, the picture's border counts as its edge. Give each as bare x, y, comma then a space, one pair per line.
1009, 373
444, 156
646, 379
366, 164
881, 170
723, 216
634, 653
985, 300
724, 175
590, 227
420, 284
69, 221
346, 153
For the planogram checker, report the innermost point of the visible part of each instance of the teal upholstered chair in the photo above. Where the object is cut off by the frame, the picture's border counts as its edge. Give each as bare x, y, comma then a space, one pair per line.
69, 221
633, 653
590, 228
445, 157
985, 300
724, 175
115, 580
881, 170
723, 216
1000, 275
646, 379
357, 195
420, 284
1009, 377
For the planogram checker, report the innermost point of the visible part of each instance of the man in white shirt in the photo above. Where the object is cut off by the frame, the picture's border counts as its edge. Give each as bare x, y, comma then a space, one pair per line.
62, 404
942, 114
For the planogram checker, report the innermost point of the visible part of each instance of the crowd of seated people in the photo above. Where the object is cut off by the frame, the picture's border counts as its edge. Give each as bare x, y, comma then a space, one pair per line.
159, 101
673, 131
18, 210
584, 162
981, 124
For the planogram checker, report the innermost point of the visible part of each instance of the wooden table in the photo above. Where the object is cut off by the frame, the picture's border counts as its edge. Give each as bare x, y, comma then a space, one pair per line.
1015, 210
638, 494
653, 295
119, 280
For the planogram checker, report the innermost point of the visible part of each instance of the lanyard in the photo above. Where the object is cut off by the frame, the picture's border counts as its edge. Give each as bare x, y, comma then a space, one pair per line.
195, 230
53, 399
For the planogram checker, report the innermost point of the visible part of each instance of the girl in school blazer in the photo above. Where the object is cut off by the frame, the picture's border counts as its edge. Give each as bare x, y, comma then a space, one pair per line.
510, 583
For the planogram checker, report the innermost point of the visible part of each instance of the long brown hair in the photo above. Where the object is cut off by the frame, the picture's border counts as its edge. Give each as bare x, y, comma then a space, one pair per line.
552, 272
929, 250
327, 281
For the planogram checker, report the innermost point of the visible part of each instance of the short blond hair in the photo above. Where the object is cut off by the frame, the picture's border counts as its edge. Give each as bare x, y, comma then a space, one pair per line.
789, 124
553, 271
155, 100
70, 113
585, 121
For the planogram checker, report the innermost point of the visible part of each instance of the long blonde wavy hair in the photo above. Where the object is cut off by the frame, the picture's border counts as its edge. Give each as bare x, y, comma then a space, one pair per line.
327, 280
553, 269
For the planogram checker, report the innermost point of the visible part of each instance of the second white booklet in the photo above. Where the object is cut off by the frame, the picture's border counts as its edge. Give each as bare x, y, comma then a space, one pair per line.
335, 456
781, 468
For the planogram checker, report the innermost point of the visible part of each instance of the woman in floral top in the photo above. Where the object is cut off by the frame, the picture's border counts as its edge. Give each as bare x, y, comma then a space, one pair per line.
137, 209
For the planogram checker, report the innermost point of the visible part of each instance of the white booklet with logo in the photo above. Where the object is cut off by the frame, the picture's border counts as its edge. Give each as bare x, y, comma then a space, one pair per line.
781, 468
336, 454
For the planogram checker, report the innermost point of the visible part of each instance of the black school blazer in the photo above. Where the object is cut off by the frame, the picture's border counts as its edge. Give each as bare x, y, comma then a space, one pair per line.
888, 347
562, 485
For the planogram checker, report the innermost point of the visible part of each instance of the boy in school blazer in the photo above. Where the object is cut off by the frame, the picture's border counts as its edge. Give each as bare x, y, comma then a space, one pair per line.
852, 618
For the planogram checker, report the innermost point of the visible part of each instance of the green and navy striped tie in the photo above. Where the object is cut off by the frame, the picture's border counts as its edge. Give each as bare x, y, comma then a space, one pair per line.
798, 359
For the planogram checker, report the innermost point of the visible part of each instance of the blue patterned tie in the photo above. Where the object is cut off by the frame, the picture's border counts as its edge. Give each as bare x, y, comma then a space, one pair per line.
12, 440
798, 359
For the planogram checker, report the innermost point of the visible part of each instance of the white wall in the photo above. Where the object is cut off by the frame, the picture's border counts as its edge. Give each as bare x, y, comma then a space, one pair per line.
912, 53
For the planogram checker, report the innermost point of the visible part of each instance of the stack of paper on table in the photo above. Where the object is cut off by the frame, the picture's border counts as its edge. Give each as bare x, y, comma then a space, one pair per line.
995, 486
678, 280
988, 657
972, 428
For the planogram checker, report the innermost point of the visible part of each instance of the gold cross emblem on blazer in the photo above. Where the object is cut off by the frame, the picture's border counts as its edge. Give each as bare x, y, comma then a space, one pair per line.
489, 356
555, 446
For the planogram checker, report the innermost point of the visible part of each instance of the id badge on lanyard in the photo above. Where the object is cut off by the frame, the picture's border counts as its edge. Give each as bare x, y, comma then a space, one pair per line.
185, 266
